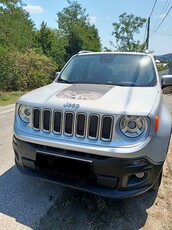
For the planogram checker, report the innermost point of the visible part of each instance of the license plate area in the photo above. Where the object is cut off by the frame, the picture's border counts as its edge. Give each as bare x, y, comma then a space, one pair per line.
63, 165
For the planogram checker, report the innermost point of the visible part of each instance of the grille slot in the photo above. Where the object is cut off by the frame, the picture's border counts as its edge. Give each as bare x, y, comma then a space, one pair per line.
69, 120
107, 125
36, 118
57, 122
81, 125
93, 126
46, 120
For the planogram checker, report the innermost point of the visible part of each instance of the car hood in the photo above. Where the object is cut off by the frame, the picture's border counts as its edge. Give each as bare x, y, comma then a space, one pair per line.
93, 98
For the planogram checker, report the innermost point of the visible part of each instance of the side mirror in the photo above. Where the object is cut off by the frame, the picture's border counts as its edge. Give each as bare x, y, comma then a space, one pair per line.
56, 75
166, 80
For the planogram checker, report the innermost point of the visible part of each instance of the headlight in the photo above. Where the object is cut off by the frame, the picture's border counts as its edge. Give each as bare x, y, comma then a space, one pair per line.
133, 126
24, 113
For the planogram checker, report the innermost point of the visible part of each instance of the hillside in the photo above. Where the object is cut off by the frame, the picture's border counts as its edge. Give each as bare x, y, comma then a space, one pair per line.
165, 57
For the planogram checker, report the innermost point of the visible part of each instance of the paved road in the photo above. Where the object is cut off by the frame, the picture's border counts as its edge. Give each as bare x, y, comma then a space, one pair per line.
23, 201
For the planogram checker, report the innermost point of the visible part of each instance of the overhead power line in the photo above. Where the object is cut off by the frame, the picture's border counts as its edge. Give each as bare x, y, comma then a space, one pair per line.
159, 21
170, 35
153, 8
167, 4
162, 20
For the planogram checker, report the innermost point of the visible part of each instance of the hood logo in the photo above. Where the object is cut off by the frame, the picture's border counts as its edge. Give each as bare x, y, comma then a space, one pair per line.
71, 105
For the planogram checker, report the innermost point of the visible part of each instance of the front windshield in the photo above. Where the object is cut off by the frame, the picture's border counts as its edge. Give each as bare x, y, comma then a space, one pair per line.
115, 69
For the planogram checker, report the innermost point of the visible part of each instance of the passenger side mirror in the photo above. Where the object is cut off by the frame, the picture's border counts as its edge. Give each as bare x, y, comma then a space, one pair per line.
166, 80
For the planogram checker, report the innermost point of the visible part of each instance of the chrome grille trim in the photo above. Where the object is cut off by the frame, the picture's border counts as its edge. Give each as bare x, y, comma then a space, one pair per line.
79, 124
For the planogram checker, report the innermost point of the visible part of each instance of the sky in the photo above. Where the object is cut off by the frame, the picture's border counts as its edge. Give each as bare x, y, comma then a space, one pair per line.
102, 13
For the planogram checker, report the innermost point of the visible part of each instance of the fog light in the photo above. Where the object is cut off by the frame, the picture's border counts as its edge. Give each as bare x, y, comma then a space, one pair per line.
140, 175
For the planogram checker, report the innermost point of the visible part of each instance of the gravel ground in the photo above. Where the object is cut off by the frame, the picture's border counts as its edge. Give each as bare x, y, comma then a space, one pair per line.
79, 210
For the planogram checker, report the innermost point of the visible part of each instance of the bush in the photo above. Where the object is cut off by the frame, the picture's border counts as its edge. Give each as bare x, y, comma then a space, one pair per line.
24, 71
6, 73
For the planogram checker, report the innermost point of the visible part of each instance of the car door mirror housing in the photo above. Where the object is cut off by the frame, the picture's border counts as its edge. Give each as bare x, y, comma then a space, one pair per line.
166, 80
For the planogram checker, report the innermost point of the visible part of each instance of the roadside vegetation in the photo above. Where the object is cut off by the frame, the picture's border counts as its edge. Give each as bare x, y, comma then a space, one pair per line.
161, 67
7, 98
29, 57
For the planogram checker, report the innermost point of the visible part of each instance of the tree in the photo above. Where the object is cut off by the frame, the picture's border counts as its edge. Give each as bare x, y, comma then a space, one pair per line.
79, 33
44, 39
16, 28
51, 43
124, 32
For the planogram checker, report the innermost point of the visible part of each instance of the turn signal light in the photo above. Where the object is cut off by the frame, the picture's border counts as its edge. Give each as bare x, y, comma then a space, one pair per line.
156, 123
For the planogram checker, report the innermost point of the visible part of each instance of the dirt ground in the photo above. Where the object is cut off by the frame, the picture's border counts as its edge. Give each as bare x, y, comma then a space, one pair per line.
77, 210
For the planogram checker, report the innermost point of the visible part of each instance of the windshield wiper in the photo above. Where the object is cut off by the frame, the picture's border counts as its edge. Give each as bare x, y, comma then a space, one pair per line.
126, 84
63, 81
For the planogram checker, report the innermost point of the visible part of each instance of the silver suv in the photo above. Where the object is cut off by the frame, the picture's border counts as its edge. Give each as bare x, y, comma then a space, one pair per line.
102, 126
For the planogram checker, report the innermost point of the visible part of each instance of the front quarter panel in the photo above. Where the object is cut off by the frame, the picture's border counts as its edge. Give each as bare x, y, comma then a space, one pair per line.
163, 134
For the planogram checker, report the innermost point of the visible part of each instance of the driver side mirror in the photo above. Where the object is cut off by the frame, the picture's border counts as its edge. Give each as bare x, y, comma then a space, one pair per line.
56, 75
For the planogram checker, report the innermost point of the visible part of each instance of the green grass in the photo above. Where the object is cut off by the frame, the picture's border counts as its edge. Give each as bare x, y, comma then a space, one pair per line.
7, 98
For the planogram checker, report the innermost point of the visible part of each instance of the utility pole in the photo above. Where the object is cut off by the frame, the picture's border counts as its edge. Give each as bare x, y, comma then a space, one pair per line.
148, 30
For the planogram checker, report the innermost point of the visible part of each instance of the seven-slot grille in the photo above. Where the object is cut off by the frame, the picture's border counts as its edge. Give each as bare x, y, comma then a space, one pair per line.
69, 123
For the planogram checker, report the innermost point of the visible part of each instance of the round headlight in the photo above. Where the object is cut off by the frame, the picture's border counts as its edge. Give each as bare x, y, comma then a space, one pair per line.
132, 126
24, 113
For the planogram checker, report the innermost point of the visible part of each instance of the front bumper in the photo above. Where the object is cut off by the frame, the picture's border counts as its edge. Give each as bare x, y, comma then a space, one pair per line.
102, 175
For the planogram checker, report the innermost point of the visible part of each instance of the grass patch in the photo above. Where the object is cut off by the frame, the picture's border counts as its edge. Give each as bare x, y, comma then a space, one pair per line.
7, 98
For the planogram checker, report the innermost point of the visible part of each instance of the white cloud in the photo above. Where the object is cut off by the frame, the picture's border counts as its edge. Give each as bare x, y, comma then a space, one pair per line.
92, 19
34, 9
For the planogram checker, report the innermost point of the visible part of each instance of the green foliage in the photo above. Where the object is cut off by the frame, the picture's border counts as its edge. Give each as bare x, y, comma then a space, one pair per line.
28, 57
124, 32
51, 43
34, 70
161, 67
79, 33
16, 29
24, 71
6, 64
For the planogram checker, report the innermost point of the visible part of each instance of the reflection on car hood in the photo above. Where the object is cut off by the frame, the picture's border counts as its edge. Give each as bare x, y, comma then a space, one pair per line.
94, 98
